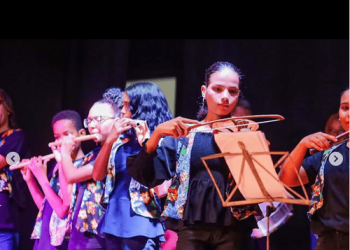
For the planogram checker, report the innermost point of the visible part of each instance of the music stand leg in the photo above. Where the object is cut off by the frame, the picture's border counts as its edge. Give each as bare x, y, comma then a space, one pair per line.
269, 211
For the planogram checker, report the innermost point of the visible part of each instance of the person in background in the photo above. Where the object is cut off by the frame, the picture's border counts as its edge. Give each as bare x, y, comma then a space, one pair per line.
16, 204
242, 108
333, 125
328, 171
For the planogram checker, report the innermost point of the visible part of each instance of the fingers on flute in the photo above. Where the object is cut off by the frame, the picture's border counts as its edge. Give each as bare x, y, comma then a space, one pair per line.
46, 161
32, 163
70, 138
24, 168
25, 160
57, 143
24, 171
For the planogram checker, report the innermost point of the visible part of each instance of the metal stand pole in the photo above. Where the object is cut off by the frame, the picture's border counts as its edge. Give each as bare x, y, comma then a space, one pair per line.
269, 210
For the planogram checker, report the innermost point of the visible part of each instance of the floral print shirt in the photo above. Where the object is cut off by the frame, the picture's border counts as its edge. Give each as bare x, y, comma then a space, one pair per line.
90, 213
144, 200
59, 227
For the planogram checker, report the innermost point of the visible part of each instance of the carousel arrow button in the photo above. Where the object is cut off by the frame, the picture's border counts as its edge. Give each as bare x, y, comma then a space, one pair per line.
336, 158
12, 158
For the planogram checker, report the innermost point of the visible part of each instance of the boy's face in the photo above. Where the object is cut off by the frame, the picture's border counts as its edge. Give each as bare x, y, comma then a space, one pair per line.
64, 128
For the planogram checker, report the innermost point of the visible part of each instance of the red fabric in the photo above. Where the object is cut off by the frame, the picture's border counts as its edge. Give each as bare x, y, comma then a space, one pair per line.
170, 240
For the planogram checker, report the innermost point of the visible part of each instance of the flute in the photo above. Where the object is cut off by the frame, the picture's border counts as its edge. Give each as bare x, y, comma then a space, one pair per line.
80, 138
51, 156
23, 164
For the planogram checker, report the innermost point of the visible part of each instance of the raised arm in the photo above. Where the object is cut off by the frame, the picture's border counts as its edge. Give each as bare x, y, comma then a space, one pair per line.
101, 163
71, 173
288, 174
175, 127
157, 163
33, 187
39, 169
66, 188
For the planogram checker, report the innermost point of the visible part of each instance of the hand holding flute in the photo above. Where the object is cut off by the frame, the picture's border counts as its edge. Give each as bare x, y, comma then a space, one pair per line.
36, 167
124, 124
53, 146
26, 162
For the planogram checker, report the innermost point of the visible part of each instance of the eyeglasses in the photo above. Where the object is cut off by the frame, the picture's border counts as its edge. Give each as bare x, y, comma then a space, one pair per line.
98, 119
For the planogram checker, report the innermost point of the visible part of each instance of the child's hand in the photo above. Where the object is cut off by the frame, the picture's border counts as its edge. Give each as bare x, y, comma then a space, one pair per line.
39, 168
175, 127
318, 141
26, 173
119, 127
142, 131
68, 144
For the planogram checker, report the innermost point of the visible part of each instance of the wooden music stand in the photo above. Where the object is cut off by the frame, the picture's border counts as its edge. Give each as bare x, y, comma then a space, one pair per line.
267, 187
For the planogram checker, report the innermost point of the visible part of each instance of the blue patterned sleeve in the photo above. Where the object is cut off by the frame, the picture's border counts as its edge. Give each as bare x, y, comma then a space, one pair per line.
152, 169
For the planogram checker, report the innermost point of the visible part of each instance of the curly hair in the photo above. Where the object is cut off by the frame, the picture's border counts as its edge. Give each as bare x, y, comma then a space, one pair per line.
147, 102
113, 96
215, 67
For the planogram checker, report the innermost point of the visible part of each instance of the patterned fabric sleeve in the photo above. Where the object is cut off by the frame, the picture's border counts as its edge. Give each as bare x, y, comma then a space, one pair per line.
152, 169
38, 223
110, 178
90, 213
317, 192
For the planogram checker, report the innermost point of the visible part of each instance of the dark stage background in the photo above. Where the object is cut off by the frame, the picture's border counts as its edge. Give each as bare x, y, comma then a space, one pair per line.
300, 79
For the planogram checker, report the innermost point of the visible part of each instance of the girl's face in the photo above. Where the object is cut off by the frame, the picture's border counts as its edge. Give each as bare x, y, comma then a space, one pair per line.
344, 110
221, 93
101, 119
126, 113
